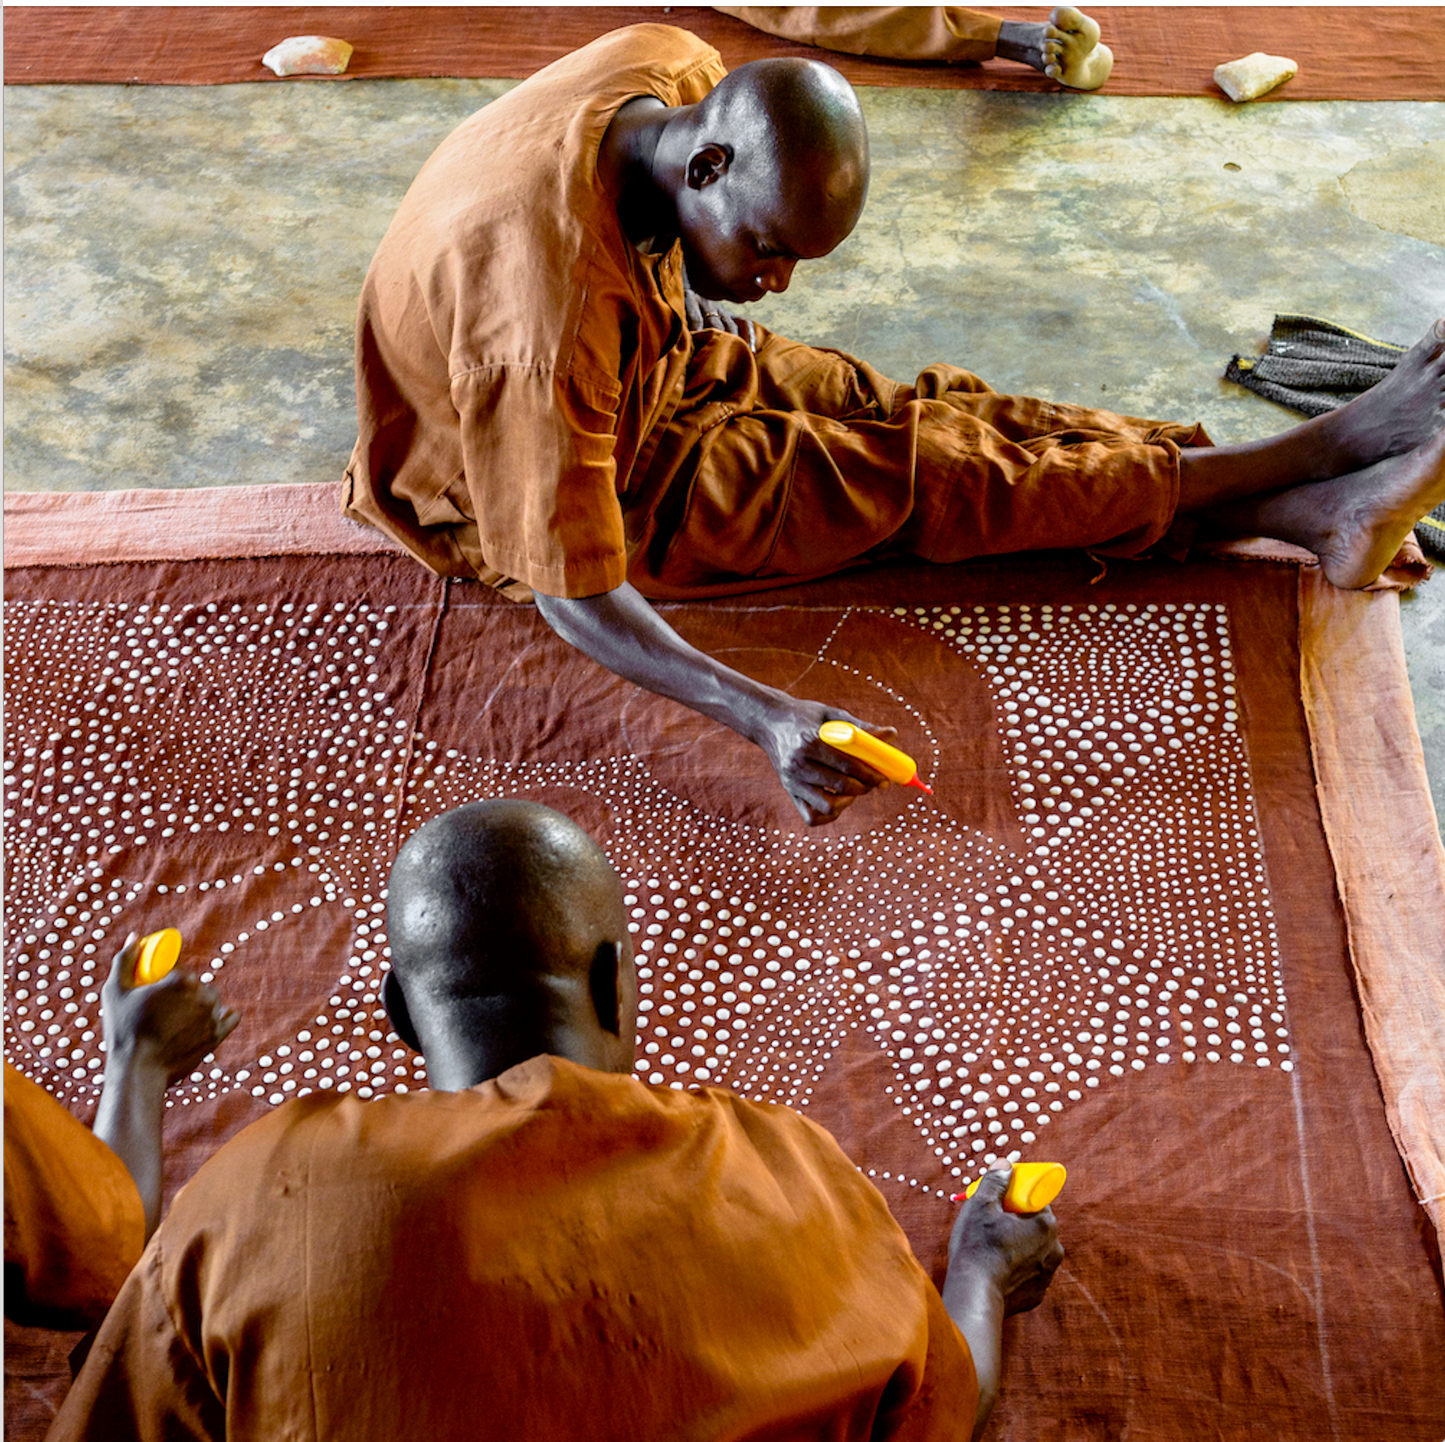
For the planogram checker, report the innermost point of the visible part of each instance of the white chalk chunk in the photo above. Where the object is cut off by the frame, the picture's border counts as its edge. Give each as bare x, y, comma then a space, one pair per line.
308, 55
1254, 76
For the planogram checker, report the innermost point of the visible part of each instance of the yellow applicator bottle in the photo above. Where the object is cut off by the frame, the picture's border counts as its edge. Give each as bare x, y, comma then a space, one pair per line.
159, 953
1031, 1186
896, 765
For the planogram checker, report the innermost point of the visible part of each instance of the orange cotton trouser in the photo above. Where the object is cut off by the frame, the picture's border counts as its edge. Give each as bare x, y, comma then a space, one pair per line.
794, 462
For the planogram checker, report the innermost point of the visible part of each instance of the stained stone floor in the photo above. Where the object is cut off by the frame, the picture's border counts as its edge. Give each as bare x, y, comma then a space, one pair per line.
181, 265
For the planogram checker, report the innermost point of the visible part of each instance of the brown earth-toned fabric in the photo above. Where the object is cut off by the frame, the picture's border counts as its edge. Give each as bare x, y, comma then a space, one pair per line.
74, 1222
571, 1253
1121, 884
533, 411
63, 528
1345, 52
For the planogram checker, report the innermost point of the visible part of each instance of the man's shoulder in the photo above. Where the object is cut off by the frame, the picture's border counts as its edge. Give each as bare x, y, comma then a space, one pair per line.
254, 1180
582, 90
554, 1083
786, 1143
286, 1126
667, 48
509, 207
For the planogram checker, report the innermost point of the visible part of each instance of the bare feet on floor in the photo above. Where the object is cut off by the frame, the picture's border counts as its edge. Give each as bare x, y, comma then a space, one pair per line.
1072, 53
1370, 525
1399, 414
1355, 523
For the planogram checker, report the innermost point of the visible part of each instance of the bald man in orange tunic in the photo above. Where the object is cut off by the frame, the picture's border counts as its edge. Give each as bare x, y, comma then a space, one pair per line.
542, 1245
550, 399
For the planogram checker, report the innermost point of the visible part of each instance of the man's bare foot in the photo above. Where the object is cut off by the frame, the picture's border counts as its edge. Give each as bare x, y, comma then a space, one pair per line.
1072, 53
1355, 524
1399, 414
1067, 49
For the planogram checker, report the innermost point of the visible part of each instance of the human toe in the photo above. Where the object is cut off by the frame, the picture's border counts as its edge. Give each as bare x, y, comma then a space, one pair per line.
1075, 22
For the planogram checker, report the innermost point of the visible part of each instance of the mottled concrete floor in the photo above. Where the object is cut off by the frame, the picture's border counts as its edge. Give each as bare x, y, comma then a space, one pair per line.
181, 265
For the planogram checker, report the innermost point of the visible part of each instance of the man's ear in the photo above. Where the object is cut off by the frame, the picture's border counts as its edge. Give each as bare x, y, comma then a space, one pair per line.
395, 1003
706, 164
606, 986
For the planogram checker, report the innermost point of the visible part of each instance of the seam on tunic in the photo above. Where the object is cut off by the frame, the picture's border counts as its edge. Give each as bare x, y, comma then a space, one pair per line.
567, 351
178, 1329
782, 516
539, 368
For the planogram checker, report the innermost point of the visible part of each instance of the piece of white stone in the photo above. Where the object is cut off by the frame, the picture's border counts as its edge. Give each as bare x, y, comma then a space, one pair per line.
1254, 75
308, 55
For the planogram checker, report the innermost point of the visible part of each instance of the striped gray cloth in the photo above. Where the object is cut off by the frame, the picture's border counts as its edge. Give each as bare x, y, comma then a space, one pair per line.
1314, 366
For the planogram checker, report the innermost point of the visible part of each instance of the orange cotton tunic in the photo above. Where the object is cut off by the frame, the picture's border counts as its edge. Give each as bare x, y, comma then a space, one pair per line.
514, 350
947, 33
558, 1253
533, 411
74, 1221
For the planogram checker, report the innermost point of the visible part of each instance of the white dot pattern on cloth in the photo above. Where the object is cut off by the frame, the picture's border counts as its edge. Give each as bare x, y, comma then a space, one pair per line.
138, 759
1132, 930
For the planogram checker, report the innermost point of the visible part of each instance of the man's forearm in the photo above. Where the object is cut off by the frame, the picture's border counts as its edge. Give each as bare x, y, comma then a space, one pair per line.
128, 1121
976, 1304
621, 631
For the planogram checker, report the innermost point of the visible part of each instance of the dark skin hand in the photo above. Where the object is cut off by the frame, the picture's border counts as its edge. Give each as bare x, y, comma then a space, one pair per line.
620, 631
999, 1263
154, 1035
703, 314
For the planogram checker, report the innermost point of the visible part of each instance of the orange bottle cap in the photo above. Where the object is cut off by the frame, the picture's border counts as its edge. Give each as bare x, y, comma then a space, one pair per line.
159, 952
1032, 1186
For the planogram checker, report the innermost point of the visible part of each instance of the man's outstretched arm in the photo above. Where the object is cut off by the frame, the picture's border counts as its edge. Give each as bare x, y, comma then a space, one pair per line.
999, 1263
154, 1035
621, 631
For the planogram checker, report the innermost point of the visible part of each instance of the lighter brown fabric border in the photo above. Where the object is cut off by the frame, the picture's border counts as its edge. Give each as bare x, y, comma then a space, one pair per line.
87, 528
1384, 838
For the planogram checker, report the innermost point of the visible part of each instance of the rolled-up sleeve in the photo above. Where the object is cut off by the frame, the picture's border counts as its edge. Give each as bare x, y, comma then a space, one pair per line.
541, 477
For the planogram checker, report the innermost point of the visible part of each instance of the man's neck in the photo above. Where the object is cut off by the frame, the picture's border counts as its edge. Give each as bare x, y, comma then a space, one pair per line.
632, 169
464, 1057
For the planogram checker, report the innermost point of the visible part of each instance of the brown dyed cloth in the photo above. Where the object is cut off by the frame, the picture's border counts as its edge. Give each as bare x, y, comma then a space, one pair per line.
238, 747
556, 1253
1345, 52
943, 34
533, 409
74, 1222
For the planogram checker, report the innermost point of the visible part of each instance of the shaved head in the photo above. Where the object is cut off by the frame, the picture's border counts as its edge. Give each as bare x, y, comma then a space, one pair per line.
508, 931
800, 121
771, 168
